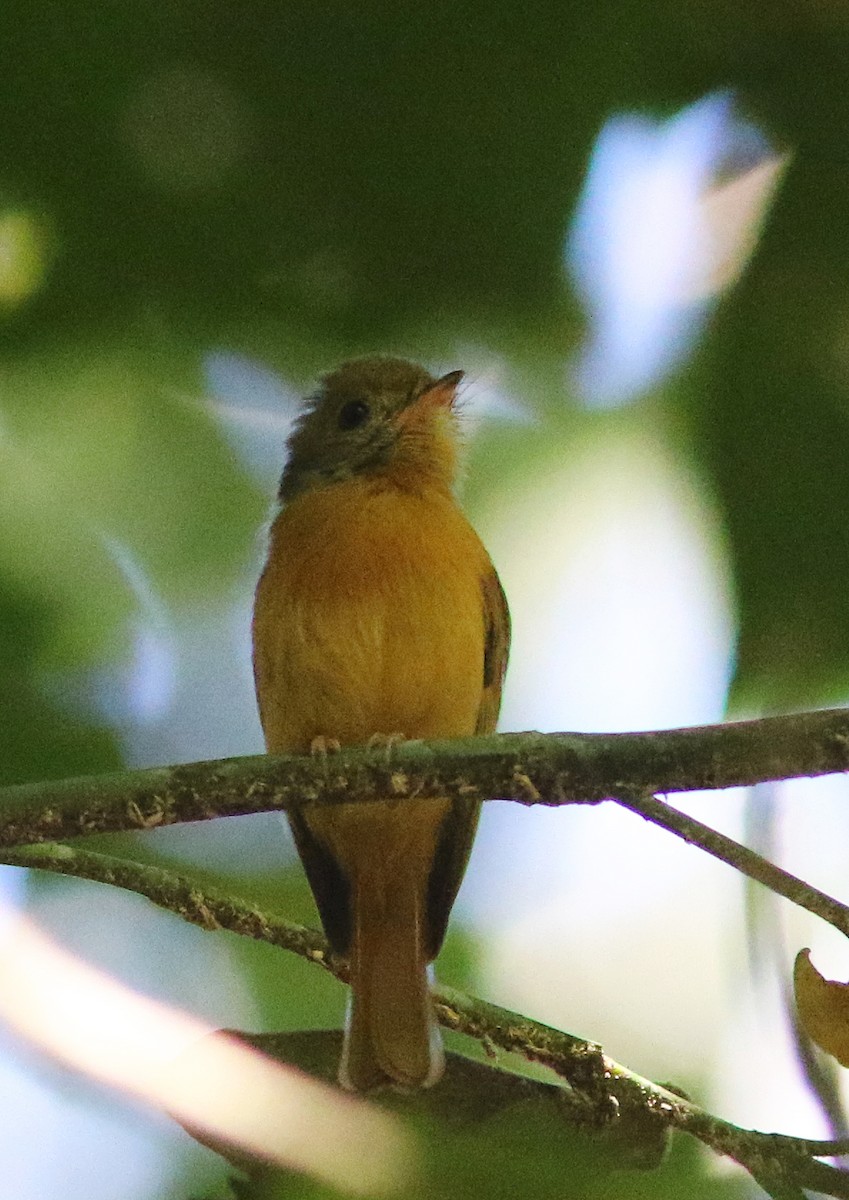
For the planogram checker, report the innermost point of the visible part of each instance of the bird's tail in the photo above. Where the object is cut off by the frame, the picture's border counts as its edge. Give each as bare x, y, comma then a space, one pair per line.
391, 1034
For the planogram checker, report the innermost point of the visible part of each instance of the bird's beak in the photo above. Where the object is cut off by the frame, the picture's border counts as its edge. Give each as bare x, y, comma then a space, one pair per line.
441, 394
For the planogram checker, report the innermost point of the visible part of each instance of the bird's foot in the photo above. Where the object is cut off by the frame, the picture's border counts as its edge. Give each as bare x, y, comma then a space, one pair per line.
385, 742
321, 746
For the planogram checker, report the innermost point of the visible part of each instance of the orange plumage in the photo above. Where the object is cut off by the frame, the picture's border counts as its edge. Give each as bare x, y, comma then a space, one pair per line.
379, 612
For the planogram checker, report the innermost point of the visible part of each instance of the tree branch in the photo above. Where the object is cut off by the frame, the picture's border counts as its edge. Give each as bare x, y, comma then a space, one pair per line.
783, 1165
531, 768
209, 908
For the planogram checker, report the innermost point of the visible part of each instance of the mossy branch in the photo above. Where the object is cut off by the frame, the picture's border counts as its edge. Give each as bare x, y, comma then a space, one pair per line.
531, 768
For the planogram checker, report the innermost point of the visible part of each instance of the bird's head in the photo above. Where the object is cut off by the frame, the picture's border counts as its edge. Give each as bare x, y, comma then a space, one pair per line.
376, 417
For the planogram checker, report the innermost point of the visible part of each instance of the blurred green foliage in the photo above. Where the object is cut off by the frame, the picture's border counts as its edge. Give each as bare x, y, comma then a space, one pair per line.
301, 182
302, 185
36, 740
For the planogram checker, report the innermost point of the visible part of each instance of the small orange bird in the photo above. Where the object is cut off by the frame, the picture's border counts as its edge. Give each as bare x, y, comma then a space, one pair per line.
379, 613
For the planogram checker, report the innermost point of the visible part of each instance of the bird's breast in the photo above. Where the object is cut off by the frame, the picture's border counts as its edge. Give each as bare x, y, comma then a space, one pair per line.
369, 618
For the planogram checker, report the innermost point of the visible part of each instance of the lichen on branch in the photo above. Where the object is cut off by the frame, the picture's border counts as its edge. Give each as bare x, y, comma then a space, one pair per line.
529, 768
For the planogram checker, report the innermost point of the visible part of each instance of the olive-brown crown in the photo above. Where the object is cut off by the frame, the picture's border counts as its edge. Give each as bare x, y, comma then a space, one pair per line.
364, 420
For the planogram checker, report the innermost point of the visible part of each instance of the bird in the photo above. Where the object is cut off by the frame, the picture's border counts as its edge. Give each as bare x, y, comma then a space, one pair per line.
379, 615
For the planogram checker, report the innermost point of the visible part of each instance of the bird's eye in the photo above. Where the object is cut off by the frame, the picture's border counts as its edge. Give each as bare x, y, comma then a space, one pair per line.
353, 414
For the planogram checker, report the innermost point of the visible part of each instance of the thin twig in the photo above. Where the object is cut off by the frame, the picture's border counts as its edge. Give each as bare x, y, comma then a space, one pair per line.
783, 1164
736, 855
531, 768
208, 907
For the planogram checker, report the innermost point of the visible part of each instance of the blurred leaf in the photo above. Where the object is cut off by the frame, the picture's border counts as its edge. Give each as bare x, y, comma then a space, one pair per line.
521, 1154
823, 1008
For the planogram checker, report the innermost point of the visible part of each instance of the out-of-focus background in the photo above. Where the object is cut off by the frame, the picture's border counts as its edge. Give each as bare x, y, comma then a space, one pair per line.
629, 224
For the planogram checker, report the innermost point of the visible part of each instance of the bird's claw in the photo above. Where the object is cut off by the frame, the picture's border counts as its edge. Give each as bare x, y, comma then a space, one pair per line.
385, 742
321, 746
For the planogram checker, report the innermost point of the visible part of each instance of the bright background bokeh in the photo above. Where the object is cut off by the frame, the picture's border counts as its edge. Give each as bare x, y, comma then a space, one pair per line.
635, 242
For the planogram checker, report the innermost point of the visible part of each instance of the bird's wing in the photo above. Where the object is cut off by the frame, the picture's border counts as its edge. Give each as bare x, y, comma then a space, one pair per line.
459, 827
496, 650
329, 885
